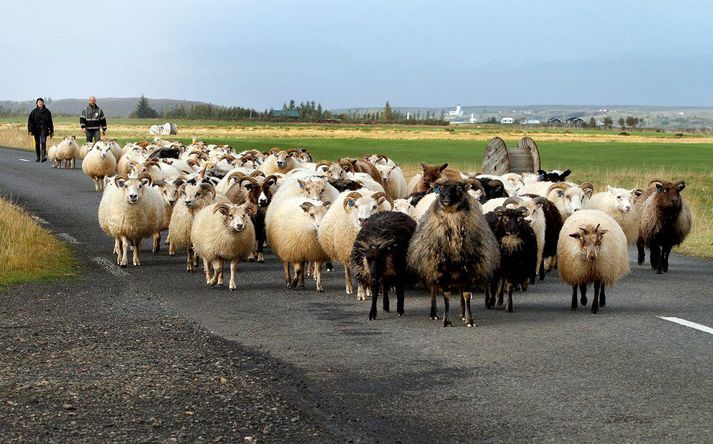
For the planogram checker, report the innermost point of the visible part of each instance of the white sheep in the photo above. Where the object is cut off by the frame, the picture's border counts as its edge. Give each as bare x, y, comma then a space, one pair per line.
67, 151
293, 238
223, 232
129, 211
52, 156
342, 223
618, 203
568, 197
84, 150
591, 249
394, 180
280, 162
98, 164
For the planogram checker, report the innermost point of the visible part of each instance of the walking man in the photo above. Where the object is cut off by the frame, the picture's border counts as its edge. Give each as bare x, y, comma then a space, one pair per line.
92, 120
40, 125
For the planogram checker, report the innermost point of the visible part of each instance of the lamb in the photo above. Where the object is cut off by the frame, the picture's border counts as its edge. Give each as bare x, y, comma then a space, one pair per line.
293, 238
341, 224
453, 248
665, 221
193, 196
129, 211
67, 152
431, 173
393, 180
518, 253
618, 203
591, 248
378, 258
223, 232
98, 164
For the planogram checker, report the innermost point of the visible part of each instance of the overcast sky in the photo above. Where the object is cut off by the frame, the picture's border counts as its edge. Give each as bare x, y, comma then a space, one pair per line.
362, 53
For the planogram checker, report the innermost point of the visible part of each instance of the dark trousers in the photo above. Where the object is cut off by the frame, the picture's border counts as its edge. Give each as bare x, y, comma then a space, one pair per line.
94, 135
41, 144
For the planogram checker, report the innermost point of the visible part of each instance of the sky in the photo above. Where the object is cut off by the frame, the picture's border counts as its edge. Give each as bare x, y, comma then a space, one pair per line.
362, 53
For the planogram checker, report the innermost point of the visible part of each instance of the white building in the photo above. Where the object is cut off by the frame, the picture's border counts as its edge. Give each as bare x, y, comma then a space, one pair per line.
507, 120
531, 122
457, 114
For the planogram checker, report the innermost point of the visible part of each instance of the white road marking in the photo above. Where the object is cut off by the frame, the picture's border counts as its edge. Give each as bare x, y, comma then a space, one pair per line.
24, 160
67, 238
40, 220
110, 267
690, 324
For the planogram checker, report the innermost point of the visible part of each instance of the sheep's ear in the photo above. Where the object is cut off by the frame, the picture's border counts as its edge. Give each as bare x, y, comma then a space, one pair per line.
146, 181
565, 174
659, 187
499, 211
250, 209
120, 183
609, 188
560, 193
423, 165
636, 191
574, 235
477, 194
524, 212
326, 204
680, 185
306, 206
380, 201
603, 231
222, 209
301, 183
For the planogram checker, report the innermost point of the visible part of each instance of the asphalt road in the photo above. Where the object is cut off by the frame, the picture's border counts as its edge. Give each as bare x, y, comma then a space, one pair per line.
540, 373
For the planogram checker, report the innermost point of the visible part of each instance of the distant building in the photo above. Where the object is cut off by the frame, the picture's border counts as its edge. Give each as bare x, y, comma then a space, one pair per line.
575, 121
531, 122
507, 120
291, 114
554, 121
455, 114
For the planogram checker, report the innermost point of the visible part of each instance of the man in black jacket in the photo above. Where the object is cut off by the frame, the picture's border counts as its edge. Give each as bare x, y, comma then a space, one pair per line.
91, 120
40, 125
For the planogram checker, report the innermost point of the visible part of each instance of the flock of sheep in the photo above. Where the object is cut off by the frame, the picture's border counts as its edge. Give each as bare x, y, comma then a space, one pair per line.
449, 230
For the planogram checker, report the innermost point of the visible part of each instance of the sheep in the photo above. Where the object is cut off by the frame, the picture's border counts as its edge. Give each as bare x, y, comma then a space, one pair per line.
52, 156
553, 225
453, 248
492, 188
317, 188
129, 211
566, 196
98, 164
538, 221
156, 169
510, 183
293, 238
591, 249
193, 196
330, 169
553, 176
393, 180
361, 166
518, 253
223, 232
665, 221
426, 201
341, 224
280, 162
431, 173
405, 206
378, 258
380, 159
168, 189
618, 203
84, 150
115, 149
67, 152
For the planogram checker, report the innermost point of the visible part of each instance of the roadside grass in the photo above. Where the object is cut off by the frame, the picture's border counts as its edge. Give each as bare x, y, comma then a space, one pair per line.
28, 252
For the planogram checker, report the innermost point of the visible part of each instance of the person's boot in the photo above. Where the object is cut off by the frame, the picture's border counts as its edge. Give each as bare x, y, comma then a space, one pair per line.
44, 155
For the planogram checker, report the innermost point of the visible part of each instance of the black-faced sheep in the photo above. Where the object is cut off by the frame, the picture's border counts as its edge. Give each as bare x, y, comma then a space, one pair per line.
378, 259
665, 221
453, 248
591, 249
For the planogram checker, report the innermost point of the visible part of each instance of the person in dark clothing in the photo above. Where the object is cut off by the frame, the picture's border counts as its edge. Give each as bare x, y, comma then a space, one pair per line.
92, 120
39, 125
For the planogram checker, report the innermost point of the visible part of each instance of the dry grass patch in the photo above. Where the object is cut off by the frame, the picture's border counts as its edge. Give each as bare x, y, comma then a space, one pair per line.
28, 252
14, 135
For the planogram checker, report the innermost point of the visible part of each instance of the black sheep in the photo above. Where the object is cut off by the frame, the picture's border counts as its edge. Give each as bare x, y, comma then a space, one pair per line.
553, 225
553, 176
492, 189
378, 259
518, 252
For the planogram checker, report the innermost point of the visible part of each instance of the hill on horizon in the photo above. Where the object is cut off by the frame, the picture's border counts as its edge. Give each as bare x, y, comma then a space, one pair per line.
112, 106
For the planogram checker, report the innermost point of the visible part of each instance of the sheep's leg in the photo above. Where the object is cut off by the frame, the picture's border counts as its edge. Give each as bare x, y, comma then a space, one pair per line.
286, 271
195, 258
462, 307
400, 299
385, 306
208, 274
189, 259
602, 296
574, 297
434, 313
655, 256
374, 299
156, 247
509, 306
298, 271
361, 292
218, 269
466, 296
171, 245
117, 250
214, 274
302, 274
501, 291
96, 184
542, 270
124, 252
446, 306
137, 246
318, 276
595, 301
348, 279
233, 271
666, 251
583, 292
642, 252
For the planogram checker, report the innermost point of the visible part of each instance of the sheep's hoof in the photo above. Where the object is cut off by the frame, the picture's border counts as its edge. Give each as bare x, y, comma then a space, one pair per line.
260, 258
509, 309
583, 301
401, 315
434, 317
658, 271
595, 309
251, 258
232, 288
171, 254
320, 290
329, 267
122, 265
446, 323
470, 324
372, 316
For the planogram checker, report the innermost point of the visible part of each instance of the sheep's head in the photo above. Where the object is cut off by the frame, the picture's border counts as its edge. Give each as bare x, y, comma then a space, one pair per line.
568, 198
303, 155
377, 159
385, 171
330, 169
236, 217
590, 240
169, 190
622, 198
315, 210
533, 206
360, 207
314, 187
668, 194
431, 173
403, 206
267, 189
103, 148
196, 195
513, 183
133, 188
511, 221
282, 158
452, 194
374, 252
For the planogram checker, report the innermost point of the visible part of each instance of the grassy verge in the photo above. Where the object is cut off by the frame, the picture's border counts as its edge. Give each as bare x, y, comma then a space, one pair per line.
28, 252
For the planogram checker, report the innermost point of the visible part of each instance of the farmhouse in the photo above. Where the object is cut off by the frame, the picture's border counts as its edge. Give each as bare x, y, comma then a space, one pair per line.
289, 114
575, 121
554, 121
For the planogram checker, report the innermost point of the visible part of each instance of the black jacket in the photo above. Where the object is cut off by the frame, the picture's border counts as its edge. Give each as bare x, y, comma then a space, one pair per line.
40, 118
92, 118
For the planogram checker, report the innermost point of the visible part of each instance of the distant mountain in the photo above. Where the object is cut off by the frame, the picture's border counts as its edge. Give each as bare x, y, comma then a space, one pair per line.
113, 107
